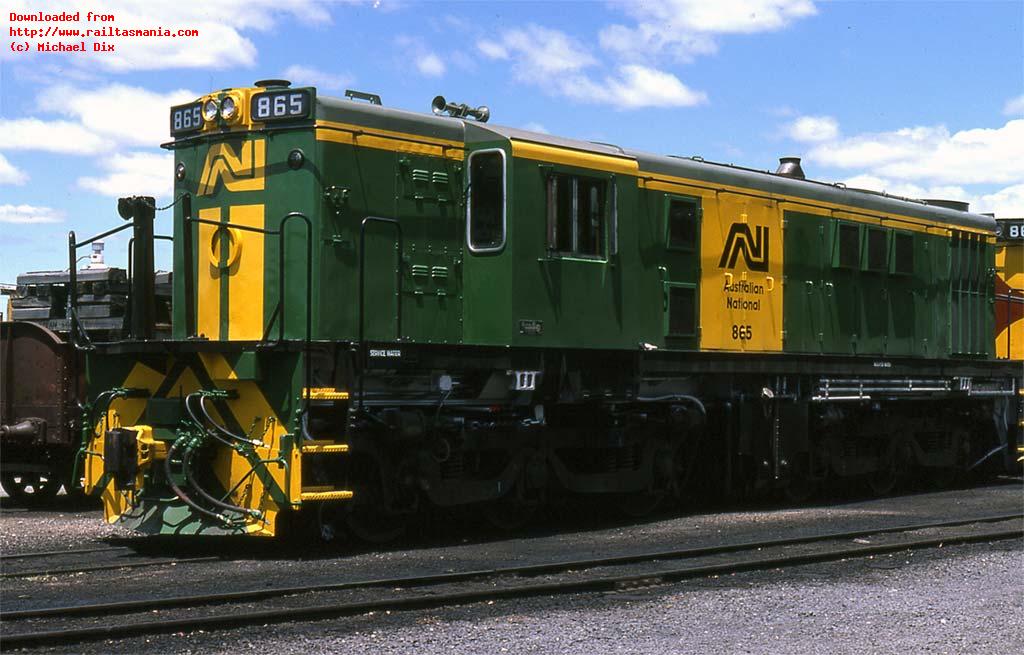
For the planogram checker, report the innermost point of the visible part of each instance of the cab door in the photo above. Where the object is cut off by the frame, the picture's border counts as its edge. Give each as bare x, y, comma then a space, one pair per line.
680, 271
488, 266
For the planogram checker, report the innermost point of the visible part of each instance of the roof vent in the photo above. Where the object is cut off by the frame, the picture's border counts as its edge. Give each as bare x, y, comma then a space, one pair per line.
948, 204
263, 84
790, 167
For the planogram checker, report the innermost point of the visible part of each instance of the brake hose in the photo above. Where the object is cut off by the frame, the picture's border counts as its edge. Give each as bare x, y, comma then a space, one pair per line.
187, 466
221, 428
182, 496
201, 425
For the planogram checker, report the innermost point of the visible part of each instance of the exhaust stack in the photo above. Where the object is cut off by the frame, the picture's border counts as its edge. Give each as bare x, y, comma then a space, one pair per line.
790, 167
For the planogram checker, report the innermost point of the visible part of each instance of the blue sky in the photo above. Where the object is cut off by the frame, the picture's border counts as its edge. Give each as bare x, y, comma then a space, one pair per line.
923, 99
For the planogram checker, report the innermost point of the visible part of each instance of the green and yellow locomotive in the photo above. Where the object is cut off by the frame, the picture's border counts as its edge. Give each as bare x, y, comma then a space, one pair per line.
377, 310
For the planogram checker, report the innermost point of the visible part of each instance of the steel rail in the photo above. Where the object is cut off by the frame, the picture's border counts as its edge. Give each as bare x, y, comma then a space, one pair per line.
590, 585
461, 576
57, 553
110, 567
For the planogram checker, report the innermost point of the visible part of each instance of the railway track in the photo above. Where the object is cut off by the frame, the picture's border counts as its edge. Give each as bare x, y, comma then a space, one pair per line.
99, 558
57, 624
56, 553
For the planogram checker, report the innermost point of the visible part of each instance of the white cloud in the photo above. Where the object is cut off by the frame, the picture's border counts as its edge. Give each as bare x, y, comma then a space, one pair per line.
417, 51
9, 174
51, 136
634, 87
306, 75
219, 44
1007, 202
684, 29
29, 214
136, 173
536, 127
492, 49
430, 65
813, 129
1014, 106
558, 63
120, 113
539, 50
933, 154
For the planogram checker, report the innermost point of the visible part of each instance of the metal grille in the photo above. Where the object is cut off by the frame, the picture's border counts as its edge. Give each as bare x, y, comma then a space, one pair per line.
682, 315
877, 250
903, 254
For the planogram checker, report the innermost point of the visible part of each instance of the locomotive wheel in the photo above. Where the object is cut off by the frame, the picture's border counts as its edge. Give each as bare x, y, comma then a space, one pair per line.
801, 486
30, 487
896, 470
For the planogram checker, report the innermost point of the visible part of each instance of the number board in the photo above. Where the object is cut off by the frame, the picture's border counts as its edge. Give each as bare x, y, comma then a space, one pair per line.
186, 118
279, 105
1010, 230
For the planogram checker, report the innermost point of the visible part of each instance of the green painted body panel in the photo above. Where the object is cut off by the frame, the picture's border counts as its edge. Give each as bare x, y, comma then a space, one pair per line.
285, 191
854, 311
525, 294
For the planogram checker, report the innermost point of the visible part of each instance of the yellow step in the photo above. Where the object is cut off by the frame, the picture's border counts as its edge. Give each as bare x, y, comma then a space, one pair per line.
324, 393
335, 494
320, 447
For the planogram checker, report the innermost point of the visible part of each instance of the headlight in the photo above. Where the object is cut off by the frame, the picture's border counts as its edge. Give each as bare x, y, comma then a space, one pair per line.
228, 108
210, 110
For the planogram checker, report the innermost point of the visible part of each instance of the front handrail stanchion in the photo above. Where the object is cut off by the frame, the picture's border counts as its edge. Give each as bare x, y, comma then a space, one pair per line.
362, 292
71, 304
307, 373
279, 311
186, 236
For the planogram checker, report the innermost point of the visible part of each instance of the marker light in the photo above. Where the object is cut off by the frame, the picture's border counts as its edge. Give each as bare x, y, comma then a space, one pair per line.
179, 171
228, 108
210, 110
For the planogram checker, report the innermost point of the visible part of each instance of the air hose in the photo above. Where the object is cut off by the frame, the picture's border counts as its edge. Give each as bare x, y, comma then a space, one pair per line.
182, 496
186, 465
220, 428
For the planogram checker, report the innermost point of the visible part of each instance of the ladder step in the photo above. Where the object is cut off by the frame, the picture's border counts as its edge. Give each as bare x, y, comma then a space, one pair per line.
313, 496
318, 447
324, 393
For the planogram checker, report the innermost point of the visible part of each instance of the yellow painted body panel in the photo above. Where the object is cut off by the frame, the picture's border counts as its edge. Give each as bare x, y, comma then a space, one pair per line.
245, 275
208, 279
1010, 302
238, 255
241, 170
568, 157
368, 137
741, 274
122, 412
249, 409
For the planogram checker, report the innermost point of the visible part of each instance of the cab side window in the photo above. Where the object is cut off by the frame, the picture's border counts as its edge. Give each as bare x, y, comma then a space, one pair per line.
577, 208
485, 230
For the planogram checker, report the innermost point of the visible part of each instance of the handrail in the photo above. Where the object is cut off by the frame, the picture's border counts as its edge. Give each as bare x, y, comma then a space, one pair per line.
279, 311
362, 291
